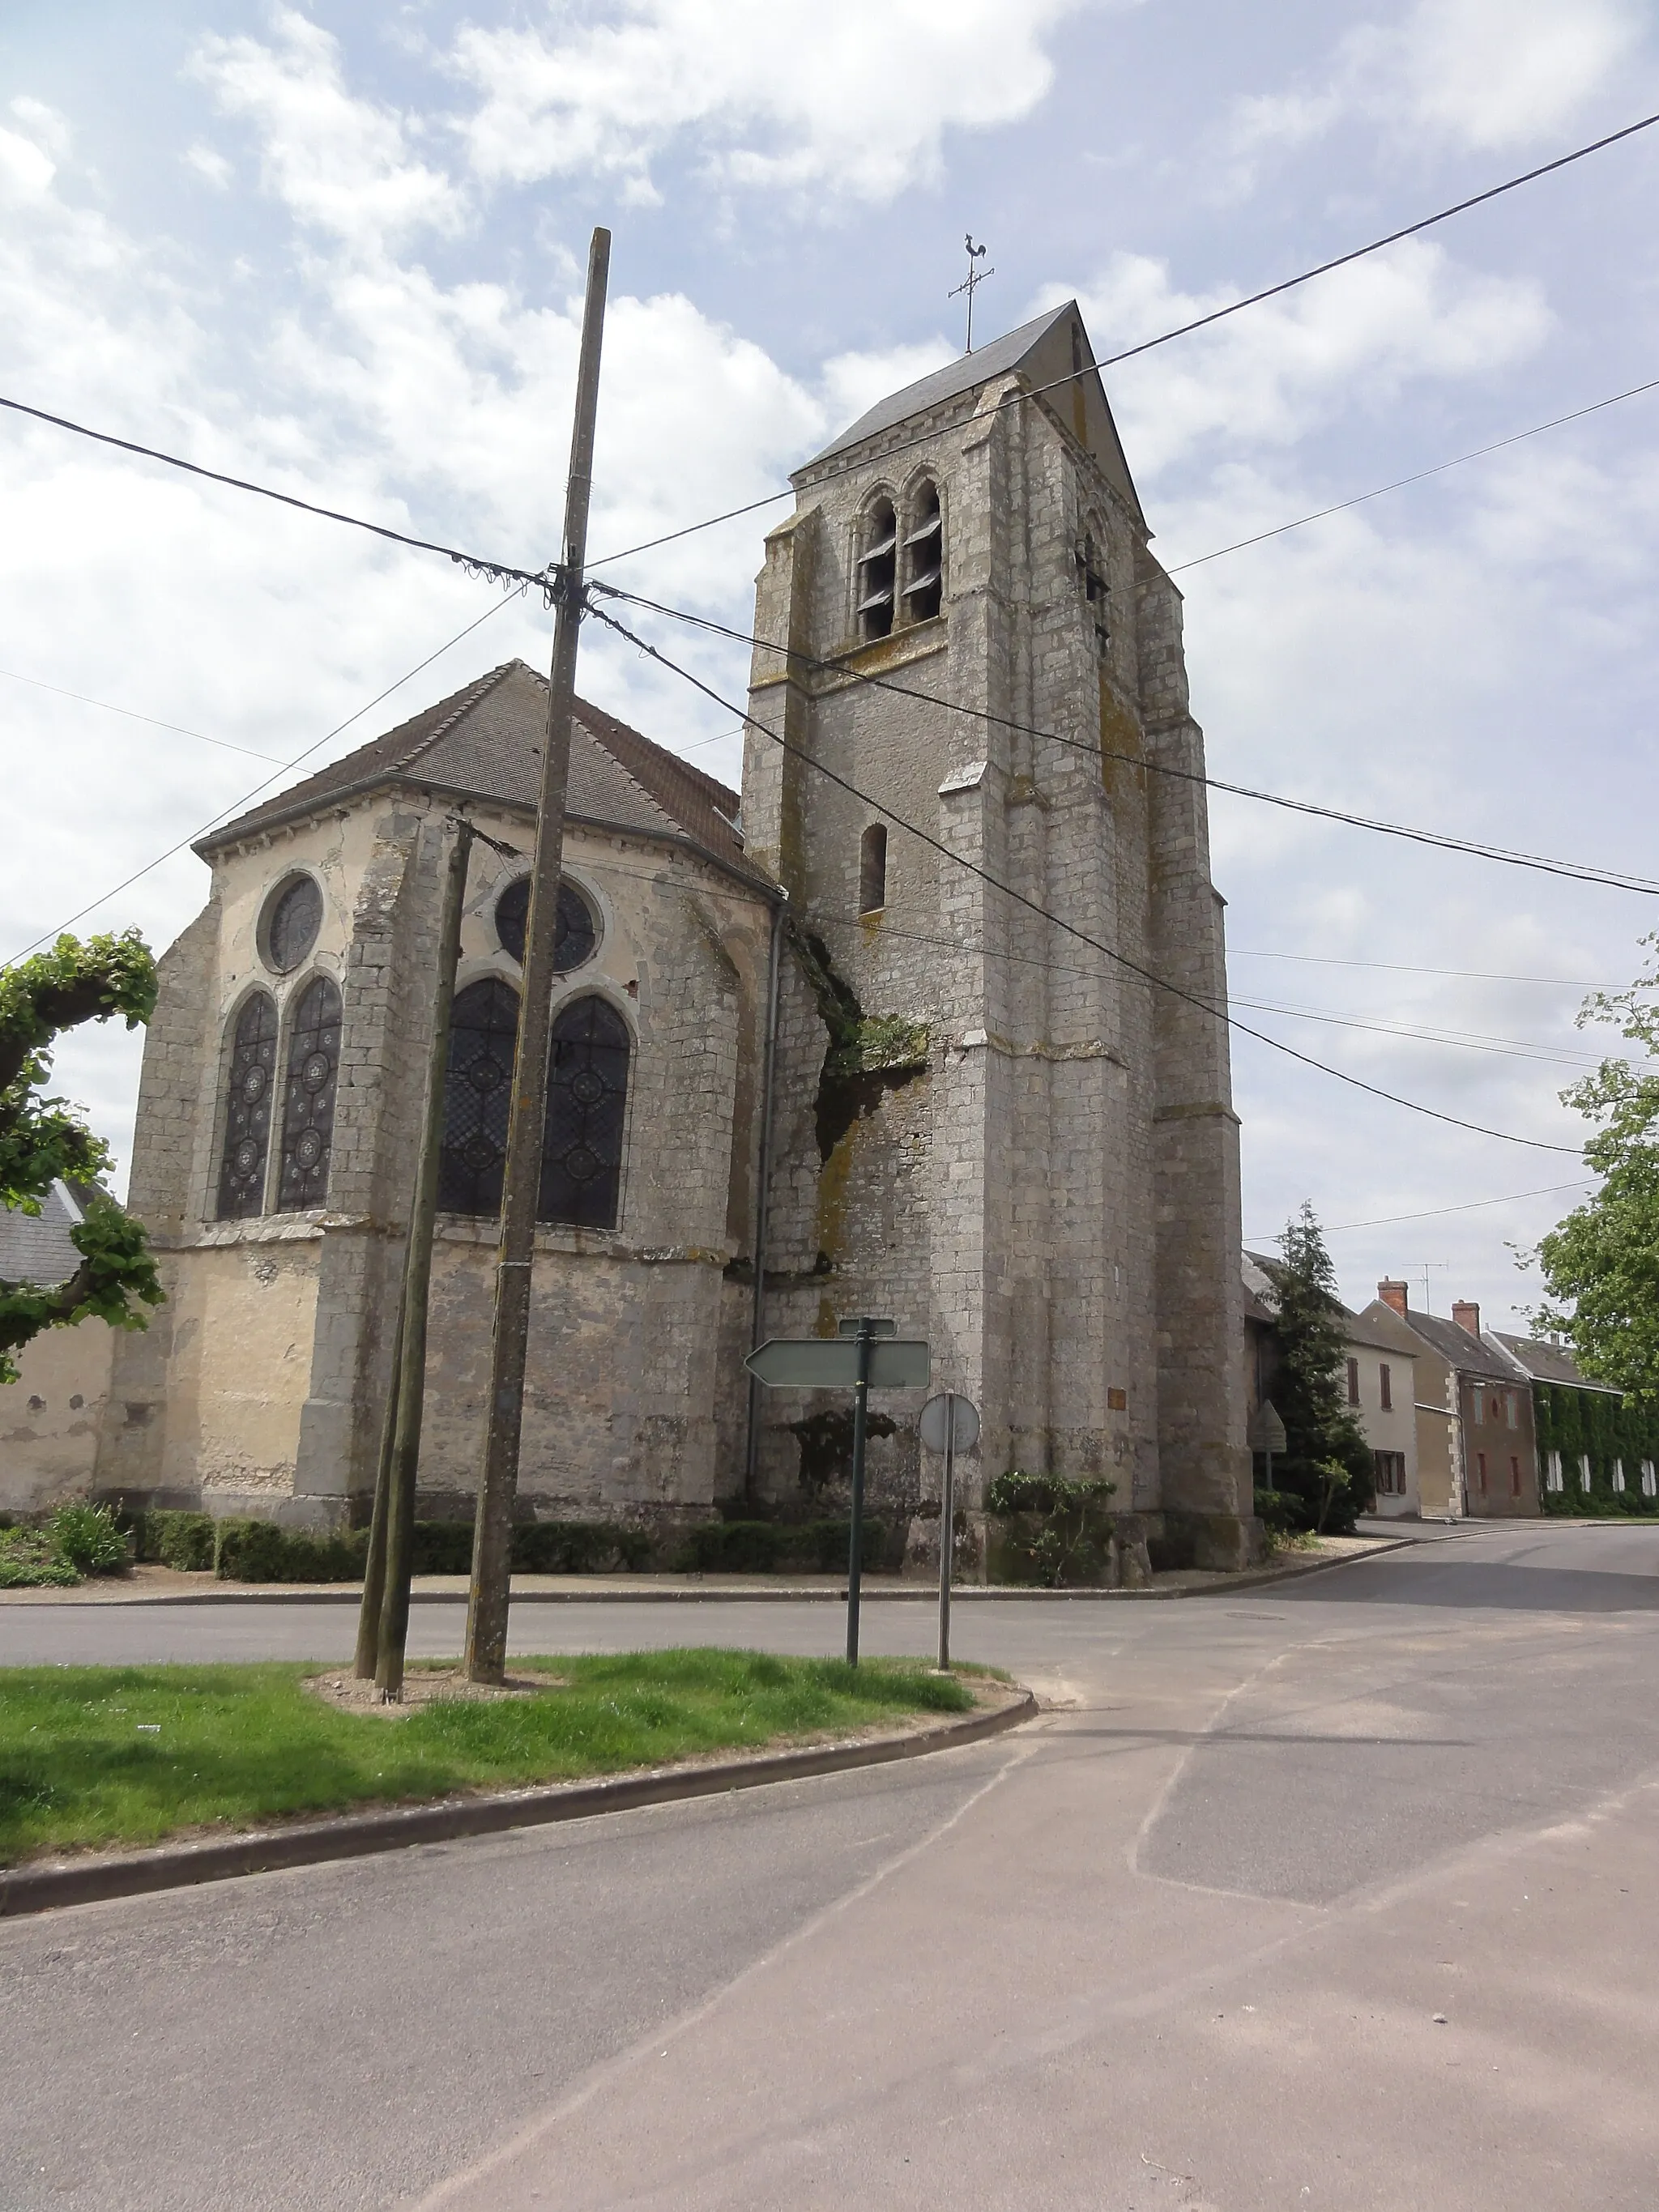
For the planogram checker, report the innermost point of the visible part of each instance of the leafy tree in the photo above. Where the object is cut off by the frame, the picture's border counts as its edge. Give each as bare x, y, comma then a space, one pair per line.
1327, 1465
42, 1139
1600, 1264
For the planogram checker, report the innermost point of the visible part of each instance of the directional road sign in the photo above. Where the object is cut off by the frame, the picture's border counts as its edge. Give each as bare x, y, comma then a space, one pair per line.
831, 1363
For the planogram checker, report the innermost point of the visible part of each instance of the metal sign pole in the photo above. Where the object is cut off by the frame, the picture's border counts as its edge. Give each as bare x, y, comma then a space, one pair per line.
947, 1530
855, 1541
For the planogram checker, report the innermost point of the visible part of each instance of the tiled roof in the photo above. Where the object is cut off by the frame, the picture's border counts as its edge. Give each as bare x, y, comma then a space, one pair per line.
35, 1247
1044, 352
1548, 1363
1459, 1348
485, 741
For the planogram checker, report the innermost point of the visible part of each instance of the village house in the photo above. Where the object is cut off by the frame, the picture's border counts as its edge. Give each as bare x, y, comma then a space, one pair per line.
1475, 1445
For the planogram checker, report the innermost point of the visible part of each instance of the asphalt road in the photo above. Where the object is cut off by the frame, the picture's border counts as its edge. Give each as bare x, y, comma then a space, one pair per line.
1181, 1943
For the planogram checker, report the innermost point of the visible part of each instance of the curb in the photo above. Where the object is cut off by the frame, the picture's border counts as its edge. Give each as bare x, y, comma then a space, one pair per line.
920, 1594
181, 1866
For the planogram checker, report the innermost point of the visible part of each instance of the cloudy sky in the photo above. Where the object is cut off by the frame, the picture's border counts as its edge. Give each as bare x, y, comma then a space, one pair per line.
339, 249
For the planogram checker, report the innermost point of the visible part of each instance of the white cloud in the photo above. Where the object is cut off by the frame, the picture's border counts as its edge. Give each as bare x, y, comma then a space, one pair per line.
769, 93
212, 167
341, 165
1481, 73
1272, 375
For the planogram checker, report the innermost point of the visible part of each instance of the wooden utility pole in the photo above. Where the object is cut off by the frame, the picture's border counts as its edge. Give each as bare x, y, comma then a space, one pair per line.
486, 1609
382, 1635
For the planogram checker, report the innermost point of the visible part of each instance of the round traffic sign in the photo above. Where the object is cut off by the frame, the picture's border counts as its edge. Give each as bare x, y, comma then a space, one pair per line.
960, 1413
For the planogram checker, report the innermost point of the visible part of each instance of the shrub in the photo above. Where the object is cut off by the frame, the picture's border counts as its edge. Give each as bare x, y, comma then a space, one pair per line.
88, 1538
163, 1537
577, 1547
1054, 1531
771, 1548
260, 1552
28, 1561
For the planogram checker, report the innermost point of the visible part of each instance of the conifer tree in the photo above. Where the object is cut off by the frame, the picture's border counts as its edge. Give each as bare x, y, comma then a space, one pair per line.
1327, 1465
42, 1139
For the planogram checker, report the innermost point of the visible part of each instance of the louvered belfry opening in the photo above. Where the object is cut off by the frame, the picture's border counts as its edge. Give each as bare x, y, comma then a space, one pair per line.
250, 1088
586, 1108
484, 1031
313, 1070
877, 570
924, 555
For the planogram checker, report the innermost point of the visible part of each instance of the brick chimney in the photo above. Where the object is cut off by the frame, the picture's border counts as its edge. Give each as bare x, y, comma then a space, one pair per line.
1467, 1315
1392, 1294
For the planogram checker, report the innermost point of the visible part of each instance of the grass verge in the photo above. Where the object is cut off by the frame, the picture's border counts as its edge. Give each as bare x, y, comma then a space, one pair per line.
95, 1757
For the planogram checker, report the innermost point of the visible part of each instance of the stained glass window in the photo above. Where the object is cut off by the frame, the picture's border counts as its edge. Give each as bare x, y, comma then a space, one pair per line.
586, 1103
313, 1067
295, 917
253, 1079
483, 1030
576, 936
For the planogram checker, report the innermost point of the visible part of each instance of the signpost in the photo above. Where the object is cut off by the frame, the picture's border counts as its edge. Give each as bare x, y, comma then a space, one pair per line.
867, 1356
1267, 1434
949, 1423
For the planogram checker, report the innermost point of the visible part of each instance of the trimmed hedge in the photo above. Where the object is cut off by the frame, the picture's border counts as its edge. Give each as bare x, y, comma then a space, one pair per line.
774, 1548
169, 1539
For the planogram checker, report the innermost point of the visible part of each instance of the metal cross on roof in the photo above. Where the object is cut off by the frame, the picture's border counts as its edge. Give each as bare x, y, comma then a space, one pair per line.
975, 278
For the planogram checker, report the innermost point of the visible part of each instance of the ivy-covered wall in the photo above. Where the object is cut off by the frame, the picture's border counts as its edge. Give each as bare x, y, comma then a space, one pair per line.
1606, 1428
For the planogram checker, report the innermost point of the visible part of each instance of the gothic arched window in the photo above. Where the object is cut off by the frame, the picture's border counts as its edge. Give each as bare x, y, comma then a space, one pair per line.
877, 569
483, 1032
587, 1105
249, 1086
924, 555
313, 1069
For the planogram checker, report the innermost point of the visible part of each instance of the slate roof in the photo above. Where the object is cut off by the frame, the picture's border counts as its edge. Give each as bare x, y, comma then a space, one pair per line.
1042, 350
35, 1247
1262, 1304
1460, 1349
484, 742
1548, 1363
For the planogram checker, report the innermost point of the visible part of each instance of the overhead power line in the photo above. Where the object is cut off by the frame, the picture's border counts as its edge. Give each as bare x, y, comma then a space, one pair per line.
1420, 475
246, 797
1165, 337
1132, 967
1607, 879
545, 580
109, 708
1435, 1212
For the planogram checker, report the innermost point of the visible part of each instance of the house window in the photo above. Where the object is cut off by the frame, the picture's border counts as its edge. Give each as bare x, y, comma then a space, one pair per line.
586, 1106
1649, 1479
877, 569
1583, 1472
1512, 1408
1385, 1387
1390, 1474
1554, 1477
1618, 1475
1354, 1382
313, 1068
924, 555
1515, 1476
1477, 1409
873, 869
483, 1033
1480, 1468
576, 936
250, 1086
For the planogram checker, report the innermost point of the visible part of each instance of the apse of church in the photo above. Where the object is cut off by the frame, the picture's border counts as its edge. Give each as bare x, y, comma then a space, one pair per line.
1010, 1141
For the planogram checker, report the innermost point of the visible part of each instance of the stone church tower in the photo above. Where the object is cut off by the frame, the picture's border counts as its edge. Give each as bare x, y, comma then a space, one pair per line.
1018, 1146
930, 1024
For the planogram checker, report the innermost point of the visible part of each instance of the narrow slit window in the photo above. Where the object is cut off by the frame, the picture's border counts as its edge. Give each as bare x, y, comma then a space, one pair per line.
483, 1034
249, 1087
873, 869
313, 1070
878, 571
586, 1108
924, 557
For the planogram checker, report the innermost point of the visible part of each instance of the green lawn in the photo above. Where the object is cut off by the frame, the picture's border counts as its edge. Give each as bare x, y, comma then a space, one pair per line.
98, 1756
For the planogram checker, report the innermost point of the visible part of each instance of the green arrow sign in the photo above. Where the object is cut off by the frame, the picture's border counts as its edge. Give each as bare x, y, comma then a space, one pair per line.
831, 1363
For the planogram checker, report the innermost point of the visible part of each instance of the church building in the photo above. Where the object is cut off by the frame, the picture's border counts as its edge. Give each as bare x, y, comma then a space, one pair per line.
928, 1022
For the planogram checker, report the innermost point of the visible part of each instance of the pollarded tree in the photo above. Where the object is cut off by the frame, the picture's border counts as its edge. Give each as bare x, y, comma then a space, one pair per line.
43, 1138
1328, 1463
1600, 1264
